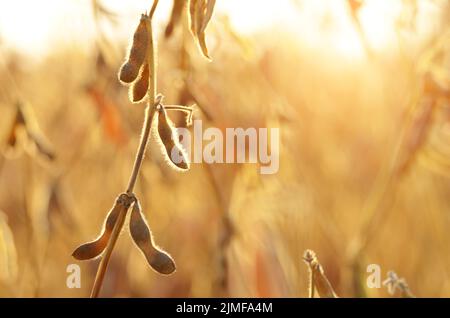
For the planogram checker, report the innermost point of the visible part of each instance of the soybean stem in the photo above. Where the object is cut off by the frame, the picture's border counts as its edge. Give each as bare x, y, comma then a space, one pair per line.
152, 10
153, 101
185, 109
311, 283
107, 255
151, 107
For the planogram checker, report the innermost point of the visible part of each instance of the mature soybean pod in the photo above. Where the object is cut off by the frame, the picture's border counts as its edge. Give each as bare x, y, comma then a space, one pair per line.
170, 141
193, 16
139, 89
129, 71
95, 248
209, 10
159, 260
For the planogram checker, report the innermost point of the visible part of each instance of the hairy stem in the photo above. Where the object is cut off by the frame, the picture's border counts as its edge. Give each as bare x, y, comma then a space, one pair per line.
311, 284
188, 110
107, 254
185, 109
153, 101
153, 9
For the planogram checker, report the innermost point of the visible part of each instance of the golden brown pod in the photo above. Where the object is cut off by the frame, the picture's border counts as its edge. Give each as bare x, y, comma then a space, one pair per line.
139, 89
159, 260
95, 248
192, 15
129, 71
169, 140
207, 12
200, 13
202, 45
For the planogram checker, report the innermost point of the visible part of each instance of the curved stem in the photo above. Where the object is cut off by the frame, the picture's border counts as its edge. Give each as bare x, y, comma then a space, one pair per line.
185, 109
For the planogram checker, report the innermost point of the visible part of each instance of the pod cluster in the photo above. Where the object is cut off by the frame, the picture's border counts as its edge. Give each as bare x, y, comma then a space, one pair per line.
200, 13
140, 232
135, 71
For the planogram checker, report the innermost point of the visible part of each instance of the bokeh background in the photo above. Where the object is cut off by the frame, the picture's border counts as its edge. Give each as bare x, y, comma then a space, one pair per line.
359, 90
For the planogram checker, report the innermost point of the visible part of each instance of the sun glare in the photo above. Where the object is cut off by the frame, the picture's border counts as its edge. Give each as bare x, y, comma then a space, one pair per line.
325, 25
334, 27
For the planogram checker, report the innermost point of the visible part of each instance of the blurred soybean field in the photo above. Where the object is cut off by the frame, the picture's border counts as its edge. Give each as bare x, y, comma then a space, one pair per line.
359, 90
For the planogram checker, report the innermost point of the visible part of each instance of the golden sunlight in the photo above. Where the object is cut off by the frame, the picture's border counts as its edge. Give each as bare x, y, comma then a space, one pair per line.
351, 32
327, 24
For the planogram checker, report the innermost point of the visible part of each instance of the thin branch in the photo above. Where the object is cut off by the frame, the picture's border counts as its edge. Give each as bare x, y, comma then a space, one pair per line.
125, 204
153, 9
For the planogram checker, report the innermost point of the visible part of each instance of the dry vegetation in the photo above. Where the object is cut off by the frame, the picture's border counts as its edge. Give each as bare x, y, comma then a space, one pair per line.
364, 165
